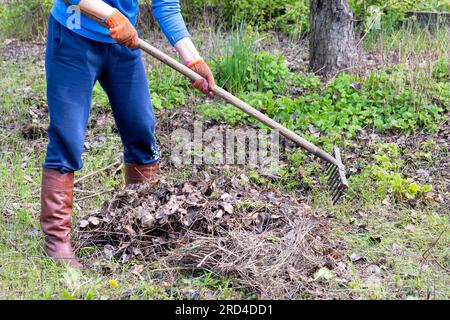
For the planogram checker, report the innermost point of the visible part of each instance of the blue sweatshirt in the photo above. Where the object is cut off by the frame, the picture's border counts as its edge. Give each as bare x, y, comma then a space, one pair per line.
166, 12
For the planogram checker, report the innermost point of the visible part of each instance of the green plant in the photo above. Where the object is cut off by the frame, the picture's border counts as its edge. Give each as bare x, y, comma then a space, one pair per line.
167, 88
386, 171
223, 112
24, 19
244, 69
232, 115
383, 100
287, 15
396, 8
391, 99
295, 20
270, 73
441, 70
99, 98
307, 82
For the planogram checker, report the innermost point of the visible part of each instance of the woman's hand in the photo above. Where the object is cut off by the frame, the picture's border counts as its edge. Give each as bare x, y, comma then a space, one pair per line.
200, 67
121, 30
188, 52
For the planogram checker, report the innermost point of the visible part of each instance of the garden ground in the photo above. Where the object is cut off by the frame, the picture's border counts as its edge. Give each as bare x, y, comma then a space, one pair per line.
389, 235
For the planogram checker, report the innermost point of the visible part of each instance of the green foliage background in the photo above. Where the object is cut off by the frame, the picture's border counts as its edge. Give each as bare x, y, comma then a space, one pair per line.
27, 18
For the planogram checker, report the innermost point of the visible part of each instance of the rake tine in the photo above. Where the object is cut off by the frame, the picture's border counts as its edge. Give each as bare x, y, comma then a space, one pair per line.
331, 178
340, 193
334, 176
336, 194
329, 169
333, 192
334, 182
337, 180
335, 172
332, 170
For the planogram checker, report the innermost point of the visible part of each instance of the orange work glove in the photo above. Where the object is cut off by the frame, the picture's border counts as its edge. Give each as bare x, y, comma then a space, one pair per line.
121, 30
200, 67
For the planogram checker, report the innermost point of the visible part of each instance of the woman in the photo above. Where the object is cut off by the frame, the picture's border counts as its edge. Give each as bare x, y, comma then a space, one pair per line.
80, 52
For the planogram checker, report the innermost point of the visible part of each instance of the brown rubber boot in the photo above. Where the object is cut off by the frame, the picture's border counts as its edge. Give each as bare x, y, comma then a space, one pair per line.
141, 173
56, 215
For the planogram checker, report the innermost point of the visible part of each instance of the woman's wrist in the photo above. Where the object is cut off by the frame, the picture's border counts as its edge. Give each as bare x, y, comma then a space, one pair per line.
187, 50
108, 16
188, 63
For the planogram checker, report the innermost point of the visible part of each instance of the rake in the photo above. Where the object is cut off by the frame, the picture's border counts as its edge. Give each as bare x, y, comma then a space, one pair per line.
335, 169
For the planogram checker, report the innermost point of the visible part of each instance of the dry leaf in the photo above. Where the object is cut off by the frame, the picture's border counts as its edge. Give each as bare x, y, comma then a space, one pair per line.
227, 207
147, 219
137, 269
219, 214
130, 229
83, 223
356, 257
94, 220
304, 209
226, 196
108, 251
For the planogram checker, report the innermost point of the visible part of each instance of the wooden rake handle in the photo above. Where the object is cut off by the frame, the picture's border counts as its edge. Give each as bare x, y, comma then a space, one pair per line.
174, 64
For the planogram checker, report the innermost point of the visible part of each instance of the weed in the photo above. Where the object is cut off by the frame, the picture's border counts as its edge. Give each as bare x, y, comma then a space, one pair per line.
167, 87
230, 114
242, 69
387, 174
441, 70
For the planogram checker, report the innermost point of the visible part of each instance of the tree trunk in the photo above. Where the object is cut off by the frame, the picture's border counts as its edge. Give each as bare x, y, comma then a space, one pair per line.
332, 46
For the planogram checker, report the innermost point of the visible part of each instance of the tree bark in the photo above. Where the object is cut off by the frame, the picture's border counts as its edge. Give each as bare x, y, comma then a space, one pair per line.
332, 41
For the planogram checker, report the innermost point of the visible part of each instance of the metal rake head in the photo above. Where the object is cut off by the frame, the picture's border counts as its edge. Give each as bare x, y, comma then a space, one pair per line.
337, 180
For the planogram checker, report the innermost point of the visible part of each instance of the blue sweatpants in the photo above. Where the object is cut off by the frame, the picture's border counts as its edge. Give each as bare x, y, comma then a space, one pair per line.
73, 65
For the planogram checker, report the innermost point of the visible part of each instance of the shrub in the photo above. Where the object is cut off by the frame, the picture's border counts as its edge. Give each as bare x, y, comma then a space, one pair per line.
262, 13
292, 16
295, 20
393, 11
289, 16
25, 19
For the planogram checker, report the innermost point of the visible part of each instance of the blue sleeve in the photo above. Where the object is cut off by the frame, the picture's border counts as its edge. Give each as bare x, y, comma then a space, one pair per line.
74, 2
168, 15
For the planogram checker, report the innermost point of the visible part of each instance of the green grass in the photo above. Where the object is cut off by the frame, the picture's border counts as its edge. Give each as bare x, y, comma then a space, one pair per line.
409, 42
387, 244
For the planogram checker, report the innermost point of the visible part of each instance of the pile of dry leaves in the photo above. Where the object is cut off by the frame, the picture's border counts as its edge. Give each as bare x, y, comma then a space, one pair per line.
267, 241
